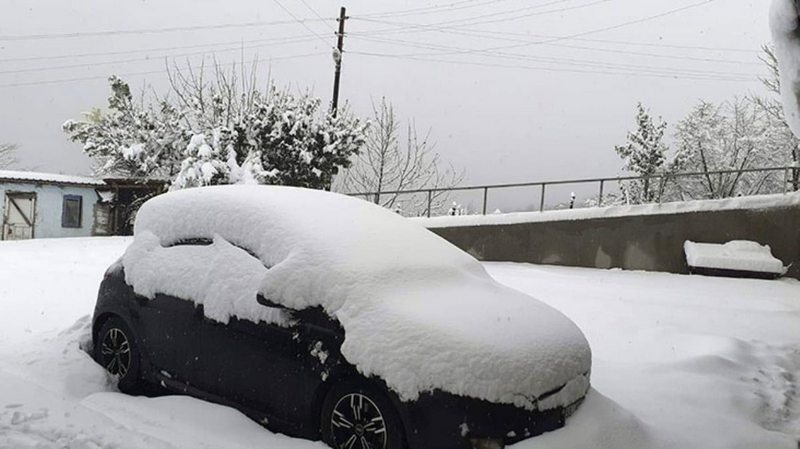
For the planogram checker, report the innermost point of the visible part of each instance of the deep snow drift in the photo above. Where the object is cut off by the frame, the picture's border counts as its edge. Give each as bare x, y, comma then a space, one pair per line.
417, 312
679, 361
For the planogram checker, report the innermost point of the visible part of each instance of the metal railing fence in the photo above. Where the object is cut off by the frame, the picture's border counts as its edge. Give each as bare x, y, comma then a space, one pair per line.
791, 174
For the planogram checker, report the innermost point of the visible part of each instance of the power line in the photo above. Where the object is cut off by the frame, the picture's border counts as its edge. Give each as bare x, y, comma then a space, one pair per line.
278, 41
655, 55
474, 20
149, 72
314, 11
557, 60
555, 69
479, 34
405, 26
434, 8
301, 22
619, 42
517, 16
150, 30
580, 34
148, 58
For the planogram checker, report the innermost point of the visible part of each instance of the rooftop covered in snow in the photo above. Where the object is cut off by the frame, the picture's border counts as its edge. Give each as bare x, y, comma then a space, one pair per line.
30, 177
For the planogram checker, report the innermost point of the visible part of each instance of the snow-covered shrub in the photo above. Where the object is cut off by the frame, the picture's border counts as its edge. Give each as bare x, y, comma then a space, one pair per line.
130, 138
210, 133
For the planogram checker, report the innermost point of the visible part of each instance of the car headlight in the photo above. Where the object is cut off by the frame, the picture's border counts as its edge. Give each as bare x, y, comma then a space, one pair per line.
486, 443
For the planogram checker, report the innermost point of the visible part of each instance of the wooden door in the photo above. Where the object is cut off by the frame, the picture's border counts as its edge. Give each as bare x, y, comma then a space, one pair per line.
19, 216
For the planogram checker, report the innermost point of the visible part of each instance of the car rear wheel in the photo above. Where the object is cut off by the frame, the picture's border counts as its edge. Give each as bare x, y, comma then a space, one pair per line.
356, 415
116, 350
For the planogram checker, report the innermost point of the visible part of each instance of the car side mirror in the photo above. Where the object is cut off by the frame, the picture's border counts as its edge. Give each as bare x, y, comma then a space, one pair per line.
269, 303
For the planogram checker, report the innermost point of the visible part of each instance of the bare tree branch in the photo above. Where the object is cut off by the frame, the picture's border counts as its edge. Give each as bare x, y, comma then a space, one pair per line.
388, 165
8, 154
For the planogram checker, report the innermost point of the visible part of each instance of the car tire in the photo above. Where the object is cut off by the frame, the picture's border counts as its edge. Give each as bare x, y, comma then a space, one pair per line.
357, 410
117, 351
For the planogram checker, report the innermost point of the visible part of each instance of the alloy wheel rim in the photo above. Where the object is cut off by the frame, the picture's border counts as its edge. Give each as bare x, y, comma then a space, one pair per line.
116, 351
357, 423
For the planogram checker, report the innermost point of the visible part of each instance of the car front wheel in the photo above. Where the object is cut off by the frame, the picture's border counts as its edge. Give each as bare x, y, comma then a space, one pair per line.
116, 350
356, 415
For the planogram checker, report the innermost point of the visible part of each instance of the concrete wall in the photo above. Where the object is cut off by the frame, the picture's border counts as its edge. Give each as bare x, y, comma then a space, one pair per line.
49, 204
643, 242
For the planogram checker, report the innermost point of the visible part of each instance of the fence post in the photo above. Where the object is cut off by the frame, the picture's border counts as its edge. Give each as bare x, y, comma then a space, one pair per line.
785, 179
541, 201
430, 201
485, 195
600, 198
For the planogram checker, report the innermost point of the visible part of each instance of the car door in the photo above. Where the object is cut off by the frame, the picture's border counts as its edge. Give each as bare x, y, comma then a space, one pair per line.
260, 366
171, 337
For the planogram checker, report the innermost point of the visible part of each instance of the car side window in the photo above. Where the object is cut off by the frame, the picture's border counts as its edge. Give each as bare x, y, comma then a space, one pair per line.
192, 242
202, 241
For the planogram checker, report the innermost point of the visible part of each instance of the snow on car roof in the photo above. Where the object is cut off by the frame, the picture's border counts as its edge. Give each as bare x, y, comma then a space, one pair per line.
417, 311
30, 176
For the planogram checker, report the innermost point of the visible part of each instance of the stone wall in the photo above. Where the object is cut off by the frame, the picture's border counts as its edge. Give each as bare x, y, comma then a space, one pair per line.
640, 242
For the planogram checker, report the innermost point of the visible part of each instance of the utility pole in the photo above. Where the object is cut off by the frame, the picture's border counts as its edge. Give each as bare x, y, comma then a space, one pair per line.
337, 59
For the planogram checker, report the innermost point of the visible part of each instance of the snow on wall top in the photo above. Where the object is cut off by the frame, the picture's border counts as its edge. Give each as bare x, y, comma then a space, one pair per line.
741, 255
785, 24
29, 176
417, 312
681, 207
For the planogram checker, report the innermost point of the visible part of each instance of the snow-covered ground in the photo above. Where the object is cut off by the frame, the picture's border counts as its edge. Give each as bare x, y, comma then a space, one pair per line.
679, 361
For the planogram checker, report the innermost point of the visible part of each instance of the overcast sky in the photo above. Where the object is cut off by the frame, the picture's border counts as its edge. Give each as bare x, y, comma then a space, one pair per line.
513, 90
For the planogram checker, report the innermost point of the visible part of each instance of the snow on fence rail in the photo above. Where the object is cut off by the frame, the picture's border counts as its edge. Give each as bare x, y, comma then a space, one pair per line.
790, 174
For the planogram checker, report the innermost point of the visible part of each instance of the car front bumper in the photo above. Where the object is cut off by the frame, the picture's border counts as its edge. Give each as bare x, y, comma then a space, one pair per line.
440, 420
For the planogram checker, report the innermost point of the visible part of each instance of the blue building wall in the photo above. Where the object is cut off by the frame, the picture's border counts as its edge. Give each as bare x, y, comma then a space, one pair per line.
49, 205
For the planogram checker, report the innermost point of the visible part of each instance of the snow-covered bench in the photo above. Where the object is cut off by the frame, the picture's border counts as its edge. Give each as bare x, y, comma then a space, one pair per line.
738, 258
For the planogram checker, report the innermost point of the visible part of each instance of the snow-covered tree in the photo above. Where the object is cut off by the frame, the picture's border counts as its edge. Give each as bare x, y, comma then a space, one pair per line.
391, 162
220, 129
130, 138
8, 154
736, 136
644, 154
269, 136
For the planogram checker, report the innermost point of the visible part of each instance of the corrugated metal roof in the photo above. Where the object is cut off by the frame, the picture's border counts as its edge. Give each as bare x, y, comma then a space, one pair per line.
30, 177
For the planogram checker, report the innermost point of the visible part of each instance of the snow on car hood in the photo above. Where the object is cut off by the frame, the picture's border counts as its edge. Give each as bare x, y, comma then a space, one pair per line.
417, 311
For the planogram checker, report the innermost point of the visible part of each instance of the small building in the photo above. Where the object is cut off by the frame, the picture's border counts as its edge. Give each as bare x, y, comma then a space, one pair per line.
46, 205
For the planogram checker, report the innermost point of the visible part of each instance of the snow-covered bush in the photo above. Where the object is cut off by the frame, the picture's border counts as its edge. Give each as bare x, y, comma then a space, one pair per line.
130, 138
209, 133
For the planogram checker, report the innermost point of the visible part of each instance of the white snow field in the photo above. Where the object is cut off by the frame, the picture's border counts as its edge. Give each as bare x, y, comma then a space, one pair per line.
678, 361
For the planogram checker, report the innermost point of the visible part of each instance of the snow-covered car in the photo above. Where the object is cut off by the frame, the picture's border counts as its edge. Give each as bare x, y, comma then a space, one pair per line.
325, 316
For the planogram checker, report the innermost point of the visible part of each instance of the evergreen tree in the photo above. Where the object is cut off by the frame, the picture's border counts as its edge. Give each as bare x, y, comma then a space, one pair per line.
644, 154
